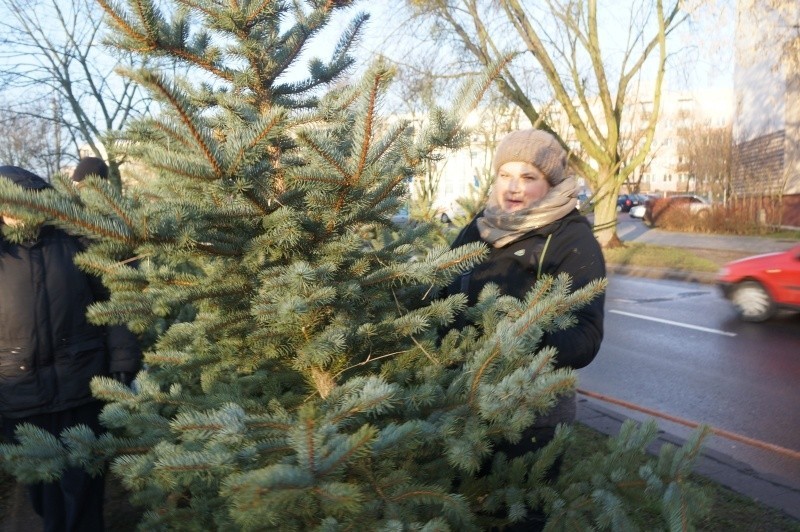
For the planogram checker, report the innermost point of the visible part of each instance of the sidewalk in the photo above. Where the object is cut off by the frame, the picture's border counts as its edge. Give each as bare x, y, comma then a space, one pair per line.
746, 244
779, 493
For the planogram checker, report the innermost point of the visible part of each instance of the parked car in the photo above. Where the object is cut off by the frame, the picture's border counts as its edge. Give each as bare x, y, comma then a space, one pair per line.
624, 202
689, 204
758, 286
637, 211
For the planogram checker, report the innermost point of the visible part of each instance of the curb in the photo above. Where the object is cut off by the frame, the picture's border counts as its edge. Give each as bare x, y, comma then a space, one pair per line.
718, 467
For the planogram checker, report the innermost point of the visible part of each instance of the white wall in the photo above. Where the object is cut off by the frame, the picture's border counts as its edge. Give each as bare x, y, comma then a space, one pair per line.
759, 74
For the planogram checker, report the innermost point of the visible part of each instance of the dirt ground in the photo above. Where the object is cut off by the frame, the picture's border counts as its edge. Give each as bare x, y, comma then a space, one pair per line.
16, 514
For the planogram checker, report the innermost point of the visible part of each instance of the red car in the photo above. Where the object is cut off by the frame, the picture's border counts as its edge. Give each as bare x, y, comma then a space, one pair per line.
758, 286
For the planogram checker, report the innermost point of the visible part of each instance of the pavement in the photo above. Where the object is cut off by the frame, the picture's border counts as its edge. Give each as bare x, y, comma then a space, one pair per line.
639, 232
779, 493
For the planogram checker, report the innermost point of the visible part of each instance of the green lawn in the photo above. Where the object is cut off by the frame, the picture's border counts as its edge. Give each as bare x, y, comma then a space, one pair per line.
650, 256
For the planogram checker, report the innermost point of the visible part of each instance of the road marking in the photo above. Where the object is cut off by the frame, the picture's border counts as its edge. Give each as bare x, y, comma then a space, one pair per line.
676, 323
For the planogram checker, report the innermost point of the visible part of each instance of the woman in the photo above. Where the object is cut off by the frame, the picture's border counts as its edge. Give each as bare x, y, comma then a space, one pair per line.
532, 228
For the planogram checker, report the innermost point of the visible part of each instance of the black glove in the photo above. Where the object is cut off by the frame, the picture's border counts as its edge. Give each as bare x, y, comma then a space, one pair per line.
123, 377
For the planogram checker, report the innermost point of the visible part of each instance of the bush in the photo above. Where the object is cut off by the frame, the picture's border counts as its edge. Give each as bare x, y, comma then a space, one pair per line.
740, 216
678, 213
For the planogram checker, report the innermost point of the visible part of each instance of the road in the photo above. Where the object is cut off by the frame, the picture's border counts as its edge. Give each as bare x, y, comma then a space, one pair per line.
678, 348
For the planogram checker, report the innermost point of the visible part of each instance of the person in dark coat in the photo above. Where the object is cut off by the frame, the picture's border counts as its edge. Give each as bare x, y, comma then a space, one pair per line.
49, 353
532, 228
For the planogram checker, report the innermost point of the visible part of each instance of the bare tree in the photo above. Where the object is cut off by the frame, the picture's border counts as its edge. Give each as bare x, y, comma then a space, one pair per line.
30, 137
55, 52
704, 153
594, 77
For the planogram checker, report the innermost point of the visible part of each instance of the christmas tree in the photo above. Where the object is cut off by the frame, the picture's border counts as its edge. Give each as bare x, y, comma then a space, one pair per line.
296, 377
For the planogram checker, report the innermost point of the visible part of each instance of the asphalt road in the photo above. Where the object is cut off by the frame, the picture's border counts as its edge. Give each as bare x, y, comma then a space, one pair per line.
678, 348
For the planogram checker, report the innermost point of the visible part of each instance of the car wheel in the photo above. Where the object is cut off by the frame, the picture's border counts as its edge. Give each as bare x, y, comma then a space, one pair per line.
444, 218
752, 301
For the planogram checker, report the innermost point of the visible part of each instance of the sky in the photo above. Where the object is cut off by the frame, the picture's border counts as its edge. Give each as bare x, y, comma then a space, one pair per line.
705, 43
701, 49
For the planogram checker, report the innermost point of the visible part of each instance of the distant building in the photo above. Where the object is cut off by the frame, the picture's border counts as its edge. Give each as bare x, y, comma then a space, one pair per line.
766, 128
682, 114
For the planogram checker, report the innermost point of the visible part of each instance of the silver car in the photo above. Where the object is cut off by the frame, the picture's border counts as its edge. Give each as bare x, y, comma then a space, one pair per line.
637, 211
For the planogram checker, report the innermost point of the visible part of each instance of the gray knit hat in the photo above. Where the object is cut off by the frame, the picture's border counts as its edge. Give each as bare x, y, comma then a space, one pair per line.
534, 146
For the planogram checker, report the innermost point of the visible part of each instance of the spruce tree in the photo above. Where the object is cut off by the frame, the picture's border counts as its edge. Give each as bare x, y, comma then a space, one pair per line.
297, 376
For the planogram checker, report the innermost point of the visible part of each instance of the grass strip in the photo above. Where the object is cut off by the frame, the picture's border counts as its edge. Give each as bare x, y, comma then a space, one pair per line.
649, 256
729, 510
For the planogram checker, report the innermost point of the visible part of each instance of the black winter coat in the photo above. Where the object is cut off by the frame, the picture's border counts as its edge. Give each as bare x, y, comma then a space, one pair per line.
48, 350
572, 249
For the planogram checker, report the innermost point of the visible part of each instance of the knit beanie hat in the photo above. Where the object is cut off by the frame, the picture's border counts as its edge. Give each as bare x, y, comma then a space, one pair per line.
536, 147
90, 166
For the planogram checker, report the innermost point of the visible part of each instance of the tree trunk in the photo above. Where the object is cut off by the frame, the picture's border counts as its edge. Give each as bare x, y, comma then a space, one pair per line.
114, 174
605, 221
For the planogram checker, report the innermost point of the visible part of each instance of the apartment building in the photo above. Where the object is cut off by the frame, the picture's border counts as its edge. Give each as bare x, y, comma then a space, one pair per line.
766, 127
686, 118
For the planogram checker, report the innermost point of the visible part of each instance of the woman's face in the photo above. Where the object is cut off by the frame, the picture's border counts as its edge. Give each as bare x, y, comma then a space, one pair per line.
519, 185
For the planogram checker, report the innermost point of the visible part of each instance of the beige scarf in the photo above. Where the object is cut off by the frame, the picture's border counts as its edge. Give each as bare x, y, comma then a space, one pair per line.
500, 228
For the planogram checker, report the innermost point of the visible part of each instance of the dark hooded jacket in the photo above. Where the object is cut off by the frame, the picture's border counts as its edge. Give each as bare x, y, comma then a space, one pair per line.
515, 268
49, 352
564, 246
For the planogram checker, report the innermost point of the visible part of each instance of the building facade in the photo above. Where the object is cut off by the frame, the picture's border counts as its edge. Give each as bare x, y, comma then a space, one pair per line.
680, 160
766, 128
